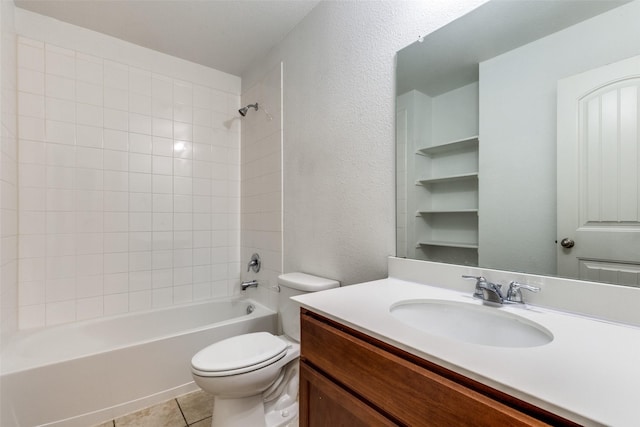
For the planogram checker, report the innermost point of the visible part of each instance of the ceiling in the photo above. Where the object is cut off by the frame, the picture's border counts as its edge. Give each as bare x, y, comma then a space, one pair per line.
227, 35
448, 58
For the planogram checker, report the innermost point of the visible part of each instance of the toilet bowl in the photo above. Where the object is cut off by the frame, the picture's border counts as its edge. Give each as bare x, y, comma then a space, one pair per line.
254, 377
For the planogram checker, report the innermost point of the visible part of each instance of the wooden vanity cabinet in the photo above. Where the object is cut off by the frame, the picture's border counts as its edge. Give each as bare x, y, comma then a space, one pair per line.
350, 379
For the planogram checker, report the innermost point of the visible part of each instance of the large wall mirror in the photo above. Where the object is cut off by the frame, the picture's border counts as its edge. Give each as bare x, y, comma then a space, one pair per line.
518, 140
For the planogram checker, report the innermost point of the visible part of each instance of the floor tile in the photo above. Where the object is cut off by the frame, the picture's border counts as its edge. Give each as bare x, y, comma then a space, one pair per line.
202, 423
166, 414
105, 424
196, 406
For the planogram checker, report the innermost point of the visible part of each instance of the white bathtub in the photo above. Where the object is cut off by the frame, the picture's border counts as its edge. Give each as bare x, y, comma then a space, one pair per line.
81, 374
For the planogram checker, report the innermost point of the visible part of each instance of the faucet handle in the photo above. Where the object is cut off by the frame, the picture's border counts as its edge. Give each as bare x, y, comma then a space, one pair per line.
480, 283
514, 293
254, 263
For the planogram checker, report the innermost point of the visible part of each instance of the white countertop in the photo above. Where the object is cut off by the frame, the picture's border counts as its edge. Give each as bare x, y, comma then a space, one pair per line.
589, 373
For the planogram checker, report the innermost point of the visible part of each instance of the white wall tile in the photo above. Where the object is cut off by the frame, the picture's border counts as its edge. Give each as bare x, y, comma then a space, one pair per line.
89, 264
116, 75
88, 93
140, 123
139, 281
140, 202
162, 88
162, 128
116, 140
183, 131
30, 104
116, 222
140, 163
31, 81
139, 103
140, 241
116, 304
60, 87
31, 57
90, 115
116, 201
116, 119
139, 301
89, 308
60, 155
89, 243
60, 132
31, 128
87, 157
90, 286
183, 294
60, 312
116, 160
162, 146
140, 182
116, 242
89, 69
89, 136
112, 187
162, 297
140, 81
161, 108
60, 62
140, 143
117, 99
115, 263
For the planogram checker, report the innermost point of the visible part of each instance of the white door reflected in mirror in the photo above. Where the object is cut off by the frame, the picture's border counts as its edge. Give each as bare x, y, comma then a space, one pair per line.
598, 181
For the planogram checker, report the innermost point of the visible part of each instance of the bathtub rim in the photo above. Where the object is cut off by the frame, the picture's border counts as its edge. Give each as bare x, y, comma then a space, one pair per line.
13, 341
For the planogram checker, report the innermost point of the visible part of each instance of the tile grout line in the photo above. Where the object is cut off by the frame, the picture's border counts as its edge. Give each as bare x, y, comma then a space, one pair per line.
186, 423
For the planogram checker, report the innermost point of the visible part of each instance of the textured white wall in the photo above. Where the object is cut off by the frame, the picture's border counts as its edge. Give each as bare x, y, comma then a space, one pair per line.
339, 114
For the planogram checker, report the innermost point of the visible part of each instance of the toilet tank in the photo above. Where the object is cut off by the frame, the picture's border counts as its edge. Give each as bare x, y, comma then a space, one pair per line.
292, 284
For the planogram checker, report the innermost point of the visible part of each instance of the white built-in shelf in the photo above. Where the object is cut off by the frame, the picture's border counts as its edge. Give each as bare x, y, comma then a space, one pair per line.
460, 144
450, 178
449, 244
447, 211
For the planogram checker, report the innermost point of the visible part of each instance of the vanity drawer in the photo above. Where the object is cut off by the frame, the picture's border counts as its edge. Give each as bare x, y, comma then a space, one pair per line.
404, 391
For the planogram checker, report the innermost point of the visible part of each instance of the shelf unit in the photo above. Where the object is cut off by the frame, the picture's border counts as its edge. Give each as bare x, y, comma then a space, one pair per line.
459, 144
448, 228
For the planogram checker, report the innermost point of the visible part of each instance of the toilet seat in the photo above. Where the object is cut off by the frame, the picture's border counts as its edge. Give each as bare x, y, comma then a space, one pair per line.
239, 354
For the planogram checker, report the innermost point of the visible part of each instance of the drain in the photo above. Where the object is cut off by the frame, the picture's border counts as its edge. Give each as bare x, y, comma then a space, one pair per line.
250, 308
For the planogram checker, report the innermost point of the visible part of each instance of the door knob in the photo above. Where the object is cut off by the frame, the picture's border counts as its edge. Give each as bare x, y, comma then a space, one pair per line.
567, 243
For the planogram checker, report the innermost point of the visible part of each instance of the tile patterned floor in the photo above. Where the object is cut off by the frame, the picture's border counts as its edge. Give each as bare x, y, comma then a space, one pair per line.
193, 410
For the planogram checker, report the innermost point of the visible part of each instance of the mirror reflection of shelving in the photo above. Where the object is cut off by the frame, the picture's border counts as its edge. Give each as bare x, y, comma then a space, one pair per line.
446, 179
448, 206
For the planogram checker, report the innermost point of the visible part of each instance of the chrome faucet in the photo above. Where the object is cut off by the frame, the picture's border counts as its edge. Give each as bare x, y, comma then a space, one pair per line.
492, 293
514, 294
487, 291
248, 284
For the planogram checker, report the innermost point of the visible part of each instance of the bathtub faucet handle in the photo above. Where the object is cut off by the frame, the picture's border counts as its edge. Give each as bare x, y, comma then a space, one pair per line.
254, 263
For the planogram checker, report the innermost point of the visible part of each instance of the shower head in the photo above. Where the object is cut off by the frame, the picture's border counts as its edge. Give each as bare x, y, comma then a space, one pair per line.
243, 110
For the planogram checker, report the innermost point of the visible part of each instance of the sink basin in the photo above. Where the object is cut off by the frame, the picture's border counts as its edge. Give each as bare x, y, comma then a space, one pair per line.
471, 323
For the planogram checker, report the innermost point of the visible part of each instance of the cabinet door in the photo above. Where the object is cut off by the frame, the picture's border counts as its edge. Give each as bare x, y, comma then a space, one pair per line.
325, 404
405, 391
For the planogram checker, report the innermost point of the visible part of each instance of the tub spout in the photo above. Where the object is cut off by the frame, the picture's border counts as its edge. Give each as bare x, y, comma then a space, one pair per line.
248, 284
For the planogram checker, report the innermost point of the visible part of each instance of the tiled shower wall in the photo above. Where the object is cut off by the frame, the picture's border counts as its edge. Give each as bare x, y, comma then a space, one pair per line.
129, 185
261, 160
8, 175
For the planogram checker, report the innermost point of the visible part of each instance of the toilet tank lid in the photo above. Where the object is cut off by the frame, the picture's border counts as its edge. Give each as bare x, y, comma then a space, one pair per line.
306, 282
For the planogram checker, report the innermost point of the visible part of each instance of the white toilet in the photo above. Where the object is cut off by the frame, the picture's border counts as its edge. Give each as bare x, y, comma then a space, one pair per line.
254, 377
